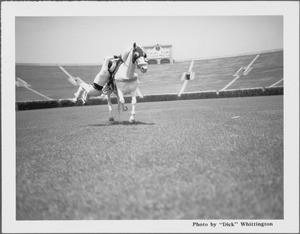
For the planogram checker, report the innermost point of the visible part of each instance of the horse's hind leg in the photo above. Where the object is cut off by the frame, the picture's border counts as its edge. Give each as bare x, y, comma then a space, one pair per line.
133, 102
78, 94
83, 92
122, 100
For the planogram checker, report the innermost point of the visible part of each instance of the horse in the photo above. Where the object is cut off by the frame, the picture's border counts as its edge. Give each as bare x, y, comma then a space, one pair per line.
125, 80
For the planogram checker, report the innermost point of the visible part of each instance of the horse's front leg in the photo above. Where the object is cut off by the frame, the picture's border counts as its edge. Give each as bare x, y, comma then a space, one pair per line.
121, 102
110, 110
119, 109
133, 102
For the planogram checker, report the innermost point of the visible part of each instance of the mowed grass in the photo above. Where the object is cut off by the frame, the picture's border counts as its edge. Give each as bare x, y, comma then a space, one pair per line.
197, 159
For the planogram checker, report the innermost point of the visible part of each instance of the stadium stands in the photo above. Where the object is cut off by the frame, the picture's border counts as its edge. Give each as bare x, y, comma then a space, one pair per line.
210, 74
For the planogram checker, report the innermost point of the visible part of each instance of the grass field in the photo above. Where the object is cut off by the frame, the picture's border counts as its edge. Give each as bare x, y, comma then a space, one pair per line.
197, 159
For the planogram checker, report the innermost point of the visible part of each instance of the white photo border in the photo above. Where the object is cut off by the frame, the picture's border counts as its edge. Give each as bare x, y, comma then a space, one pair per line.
290, 12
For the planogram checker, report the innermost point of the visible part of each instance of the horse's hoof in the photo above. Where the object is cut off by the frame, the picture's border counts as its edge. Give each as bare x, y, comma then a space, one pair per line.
111, 119
125, 108
131, 120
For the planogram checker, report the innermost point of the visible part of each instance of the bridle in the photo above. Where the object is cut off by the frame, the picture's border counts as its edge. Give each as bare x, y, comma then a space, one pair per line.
136, 54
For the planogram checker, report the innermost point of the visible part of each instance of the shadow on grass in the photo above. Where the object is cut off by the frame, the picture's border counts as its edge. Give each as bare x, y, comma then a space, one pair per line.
116, 123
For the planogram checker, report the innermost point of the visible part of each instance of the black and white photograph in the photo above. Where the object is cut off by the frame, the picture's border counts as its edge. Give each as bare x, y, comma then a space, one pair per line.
150, 117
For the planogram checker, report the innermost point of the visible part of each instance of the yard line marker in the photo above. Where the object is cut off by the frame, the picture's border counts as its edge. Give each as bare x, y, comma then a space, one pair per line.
191, 66
248, 67
71, 78
239, 73
39, 93
182, 88
185, 81
276, 83
67, 73
22, 83
230, 83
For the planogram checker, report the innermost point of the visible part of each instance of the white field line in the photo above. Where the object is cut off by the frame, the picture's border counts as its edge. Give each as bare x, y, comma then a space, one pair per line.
139, 93
191, 66
236, 74
21, 83
276, 83
182, 77
245, 71
71, 79
250, 64
230, 83
24, 84
182, 88
185, 81
67, 73
37, 93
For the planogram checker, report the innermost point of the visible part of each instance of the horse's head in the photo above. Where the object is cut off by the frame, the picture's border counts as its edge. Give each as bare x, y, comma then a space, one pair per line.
139, 58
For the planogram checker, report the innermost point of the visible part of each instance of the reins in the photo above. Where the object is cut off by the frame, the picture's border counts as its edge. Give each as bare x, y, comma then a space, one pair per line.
122, 79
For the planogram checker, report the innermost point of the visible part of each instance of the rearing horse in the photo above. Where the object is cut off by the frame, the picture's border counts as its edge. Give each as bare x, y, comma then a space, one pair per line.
125, 80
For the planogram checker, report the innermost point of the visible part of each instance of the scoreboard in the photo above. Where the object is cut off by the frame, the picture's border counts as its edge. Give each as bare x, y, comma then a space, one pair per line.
159, 54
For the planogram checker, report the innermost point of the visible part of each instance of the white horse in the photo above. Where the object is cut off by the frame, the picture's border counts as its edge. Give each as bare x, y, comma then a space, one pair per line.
125, 80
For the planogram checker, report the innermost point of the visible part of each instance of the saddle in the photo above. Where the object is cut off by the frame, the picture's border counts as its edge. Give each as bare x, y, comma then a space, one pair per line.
118, 61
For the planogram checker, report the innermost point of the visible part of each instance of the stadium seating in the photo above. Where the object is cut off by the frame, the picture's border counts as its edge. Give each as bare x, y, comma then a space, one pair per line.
210, 74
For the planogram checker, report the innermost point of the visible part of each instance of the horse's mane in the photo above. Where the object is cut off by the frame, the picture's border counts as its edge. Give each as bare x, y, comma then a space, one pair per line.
127, 56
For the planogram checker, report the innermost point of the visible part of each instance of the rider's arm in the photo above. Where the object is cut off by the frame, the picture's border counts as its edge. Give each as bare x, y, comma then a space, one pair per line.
106, 60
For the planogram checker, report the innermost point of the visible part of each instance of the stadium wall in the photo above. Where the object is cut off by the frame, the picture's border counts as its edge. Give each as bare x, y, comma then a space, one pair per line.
31, 105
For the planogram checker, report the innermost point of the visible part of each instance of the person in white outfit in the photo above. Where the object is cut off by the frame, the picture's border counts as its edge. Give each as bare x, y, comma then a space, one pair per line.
85, 91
